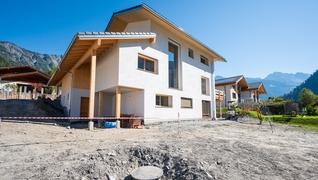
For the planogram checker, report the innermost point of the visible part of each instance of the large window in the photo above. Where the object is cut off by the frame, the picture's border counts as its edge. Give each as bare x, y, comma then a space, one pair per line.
204, 60
146, 64
205, 86
186, 103
163, 101
173, 66
206, 111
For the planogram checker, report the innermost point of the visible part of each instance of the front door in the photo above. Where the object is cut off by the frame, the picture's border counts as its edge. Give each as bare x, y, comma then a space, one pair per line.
206, 109
84, 106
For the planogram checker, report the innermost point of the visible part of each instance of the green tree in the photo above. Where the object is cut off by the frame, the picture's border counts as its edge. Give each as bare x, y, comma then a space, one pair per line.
307, 97
4, 62
52, 70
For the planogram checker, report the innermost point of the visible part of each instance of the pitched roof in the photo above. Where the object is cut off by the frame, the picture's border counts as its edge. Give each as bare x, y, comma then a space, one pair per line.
79, 49
259, 86
239, 80
23, 74
142, 12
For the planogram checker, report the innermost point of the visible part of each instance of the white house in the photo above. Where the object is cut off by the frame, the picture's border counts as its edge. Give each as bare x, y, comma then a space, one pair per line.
142, 64
237, 90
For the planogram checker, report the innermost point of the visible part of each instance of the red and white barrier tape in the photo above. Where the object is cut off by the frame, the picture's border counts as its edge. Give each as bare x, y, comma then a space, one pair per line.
68, 118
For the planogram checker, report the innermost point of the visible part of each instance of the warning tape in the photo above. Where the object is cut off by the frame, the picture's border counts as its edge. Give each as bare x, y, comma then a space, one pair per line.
67, 118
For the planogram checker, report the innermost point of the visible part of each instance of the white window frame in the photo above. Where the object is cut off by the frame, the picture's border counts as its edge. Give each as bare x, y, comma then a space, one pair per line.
147, 58
186, 99
169, 105
207, 86
206, 60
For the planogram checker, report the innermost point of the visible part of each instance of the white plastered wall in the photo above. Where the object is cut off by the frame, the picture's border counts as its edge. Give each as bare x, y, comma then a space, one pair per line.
191, 72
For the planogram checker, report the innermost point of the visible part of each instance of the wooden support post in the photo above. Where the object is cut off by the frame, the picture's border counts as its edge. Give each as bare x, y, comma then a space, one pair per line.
100, 104
118, 99
20, 92
92, 85
25, 92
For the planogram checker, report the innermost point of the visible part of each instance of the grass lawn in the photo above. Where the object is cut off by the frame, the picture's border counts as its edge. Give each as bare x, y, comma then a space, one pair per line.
307, 122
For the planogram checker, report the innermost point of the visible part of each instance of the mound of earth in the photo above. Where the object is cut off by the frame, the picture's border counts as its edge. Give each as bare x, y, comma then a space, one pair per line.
31, 108
185, 150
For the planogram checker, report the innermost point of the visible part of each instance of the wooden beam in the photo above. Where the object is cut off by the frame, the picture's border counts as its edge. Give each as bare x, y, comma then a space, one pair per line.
87, 54
152, 40
118, 99
92, 85
100, 103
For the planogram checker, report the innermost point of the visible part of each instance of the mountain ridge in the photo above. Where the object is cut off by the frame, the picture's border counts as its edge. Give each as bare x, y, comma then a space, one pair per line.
278, 83
310, 83
18, 56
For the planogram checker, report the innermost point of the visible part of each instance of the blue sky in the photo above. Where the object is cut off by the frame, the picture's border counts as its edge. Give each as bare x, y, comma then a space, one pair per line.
256, 37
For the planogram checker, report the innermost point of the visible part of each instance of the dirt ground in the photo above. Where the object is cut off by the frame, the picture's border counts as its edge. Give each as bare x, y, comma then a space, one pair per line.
189, 150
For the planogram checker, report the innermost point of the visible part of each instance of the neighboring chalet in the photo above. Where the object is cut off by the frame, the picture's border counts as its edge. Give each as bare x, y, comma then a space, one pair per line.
237, 90
142, 64
23, 76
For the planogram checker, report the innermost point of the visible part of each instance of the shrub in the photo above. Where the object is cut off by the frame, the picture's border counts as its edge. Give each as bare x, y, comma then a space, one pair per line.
277, 108
312, 111
296, 120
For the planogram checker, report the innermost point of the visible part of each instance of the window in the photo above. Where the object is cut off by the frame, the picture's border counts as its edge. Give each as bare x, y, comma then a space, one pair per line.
186, 103
204, 60
163, 101
146, 64
173, 65
205, 86
234, 95
190, 53
206, 109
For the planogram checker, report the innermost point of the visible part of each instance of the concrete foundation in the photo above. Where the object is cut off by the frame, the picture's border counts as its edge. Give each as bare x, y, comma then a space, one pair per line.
90, 125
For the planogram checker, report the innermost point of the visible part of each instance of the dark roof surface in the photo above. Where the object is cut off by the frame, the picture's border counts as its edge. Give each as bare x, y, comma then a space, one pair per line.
256, 86
239, 80
23, 74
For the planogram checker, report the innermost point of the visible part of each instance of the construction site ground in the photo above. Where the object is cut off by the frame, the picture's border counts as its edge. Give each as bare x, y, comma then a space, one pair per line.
198, 149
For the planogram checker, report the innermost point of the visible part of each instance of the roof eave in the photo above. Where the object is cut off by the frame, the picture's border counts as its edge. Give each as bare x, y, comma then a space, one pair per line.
158, 15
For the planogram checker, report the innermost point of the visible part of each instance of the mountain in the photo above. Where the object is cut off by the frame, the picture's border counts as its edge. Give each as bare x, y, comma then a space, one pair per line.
18, 56
278, 83
288, 78
310, 83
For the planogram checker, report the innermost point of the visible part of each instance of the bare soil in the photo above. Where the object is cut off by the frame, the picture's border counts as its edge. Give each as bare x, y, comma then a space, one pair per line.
186, 150
200, 150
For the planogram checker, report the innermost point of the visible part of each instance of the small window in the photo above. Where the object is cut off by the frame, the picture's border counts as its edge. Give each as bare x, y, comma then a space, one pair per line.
204, 86
146, 64
204, 60
190, 53
234, 95
186, 103
163, 101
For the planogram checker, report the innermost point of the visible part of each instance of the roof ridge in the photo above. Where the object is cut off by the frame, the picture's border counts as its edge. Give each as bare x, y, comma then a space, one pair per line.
229, 77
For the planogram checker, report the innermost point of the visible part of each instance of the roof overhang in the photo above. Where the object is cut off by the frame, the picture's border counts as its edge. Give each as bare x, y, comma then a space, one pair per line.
80, 48
23, 74
240, 81
256, 87
120, 19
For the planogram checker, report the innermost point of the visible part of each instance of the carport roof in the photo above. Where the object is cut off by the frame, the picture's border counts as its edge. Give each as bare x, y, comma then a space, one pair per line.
79, 50
23, 74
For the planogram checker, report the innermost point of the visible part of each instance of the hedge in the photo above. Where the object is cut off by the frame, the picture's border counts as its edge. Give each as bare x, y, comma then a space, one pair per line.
296, 120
